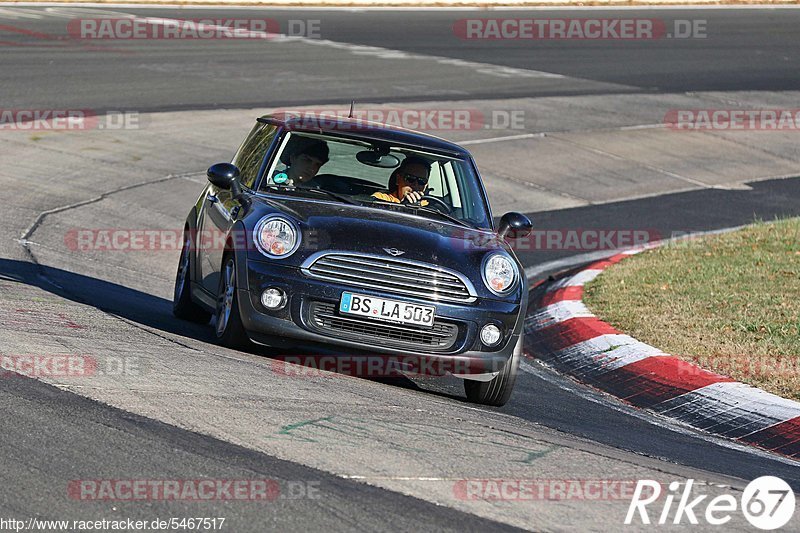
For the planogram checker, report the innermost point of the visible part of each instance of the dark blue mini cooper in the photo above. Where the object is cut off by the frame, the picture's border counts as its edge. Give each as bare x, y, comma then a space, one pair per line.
360, 238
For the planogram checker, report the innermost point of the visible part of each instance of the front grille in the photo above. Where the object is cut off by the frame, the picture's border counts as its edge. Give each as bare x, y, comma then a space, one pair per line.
392, 275
441, 336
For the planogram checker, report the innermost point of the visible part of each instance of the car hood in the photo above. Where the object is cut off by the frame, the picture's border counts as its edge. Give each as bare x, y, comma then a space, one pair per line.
330, 226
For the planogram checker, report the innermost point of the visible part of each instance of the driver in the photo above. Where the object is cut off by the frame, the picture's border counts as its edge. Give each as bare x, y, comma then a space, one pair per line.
304, 161
408, 182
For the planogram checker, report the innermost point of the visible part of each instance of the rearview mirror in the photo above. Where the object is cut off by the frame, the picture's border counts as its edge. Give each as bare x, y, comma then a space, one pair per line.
514, 226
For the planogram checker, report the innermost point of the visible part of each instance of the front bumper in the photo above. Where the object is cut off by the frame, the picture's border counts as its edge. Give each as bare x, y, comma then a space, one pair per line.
295, 326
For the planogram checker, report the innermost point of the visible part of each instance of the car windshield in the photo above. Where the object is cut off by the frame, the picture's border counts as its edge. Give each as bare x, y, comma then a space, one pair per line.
354, 170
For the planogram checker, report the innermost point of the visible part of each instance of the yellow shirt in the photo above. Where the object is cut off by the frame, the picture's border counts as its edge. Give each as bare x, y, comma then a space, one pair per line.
388, 197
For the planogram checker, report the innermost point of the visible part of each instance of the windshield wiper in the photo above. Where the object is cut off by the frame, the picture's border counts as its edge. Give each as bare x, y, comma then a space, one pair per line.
451, 218
330, 194
417, 207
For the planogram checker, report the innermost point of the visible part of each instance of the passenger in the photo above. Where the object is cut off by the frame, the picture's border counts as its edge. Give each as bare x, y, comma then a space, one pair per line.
408, 182
303, 163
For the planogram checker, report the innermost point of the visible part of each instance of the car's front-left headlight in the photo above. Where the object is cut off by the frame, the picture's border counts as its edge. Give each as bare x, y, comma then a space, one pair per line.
499, 273
276, 237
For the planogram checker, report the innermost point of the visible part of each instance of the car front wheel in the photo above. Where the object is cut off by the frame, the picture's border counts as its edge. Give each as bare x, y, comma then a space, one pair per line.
229, 329
182, 305
497, 391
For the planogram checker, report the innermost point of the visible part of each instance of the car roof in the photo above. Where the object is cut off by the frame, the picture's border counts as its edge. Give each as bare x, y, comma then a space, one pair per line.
359, 128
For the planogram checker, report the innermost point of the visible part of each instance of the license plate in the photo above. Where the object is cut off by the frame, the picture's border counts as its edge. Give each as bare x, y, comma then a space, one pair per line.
389, 310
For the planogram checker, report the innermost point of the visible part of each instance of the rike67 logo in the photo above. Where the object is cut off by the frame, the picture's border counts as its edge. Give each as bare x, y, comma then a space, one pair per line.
767, 503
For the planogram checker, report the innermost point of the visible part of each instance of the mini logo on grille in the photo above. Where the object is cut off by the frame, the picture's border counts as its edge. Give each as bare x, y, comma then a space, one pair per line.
393, 251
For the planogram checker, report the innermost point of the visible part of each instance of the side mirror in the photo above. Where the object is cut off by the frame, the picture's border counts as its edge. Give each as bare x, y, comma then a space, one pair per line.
226, 176
514, 226
223, 175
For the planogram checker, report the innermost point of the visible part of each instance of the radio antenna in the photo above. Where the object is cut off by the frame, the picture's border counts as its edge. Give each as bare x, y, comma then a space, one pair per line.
352, 105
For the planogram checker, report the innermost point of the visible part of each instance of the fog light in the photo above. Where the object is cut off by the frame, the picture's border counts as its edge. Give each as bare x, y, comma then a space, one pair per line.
273, 298
490, 335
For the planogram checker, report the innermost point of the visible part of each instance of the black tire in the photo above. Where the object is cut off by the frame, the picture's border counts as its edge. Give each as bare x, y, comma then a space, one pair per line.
497, 391
182, 305
229, 329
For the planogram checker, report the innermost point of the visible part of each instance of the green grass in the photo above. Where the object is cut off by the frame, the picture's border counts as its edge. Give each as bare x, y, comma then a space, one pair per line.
730, 303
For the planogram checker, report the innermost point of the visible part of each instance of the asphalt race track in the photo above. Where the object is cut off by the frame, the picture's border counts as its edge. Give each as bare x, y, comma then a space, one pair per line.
747, 50
348, 453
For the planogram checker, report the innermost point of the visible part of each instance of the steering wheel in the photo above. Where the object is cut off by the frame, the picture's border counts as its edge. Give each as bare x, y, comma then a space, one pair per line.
437, 202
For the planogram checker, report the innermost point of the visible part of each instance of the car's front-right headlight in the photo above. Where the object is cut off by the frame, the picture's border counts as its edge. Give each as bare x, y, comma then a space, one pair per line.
276, 237
499, 273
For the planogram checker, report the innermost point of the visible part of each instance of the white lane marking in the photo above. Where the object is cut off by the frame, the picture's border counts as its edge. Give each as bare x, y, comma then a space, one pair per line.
388, 53
401, 478
376, 51
659, 170
200, 178
503, 139
23, 240
544, 134
642, 127
349, 7
65, 11
68, 12
14, 14
243, 33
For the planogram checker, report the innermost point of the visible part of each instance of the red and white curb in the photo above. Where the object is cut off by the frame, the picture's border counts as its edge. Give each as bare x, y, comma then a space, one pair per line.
561, 330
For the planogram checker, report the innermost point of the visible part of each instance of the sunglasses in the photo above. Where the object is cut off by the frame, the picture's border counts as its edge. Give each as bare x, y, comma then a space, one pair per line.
411, 178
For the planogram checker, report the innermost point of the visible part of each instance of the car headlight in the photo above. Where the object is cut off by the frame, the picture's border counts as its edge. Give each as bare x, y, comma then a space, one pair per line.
276, 237
499, 273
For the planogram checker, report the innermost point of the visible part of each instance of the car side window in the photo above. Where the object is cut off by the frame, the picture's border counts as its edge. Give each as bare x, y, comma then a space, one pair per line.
450, 184
435, 181
252, 151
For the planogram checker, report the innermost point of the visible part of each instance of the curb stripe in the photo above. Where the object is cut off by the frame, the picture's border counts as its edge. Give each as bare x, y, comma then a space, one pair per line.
581, 278
731, 409
563, 334
556, 313
561, 295
654, 380
561, 330
605, 263
783, 438
604, 353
